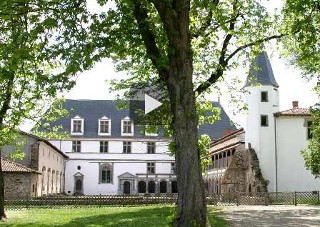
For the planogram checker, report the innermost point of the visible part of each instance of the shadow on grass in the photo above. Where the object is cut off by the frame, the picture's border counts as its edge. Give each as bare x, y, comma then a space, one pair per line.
137, 217
216, 217
143, 217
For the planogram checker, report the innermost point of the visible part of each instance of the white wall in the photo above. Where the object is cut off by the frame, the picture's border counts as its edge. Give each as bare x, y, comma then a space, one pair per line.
291, 139
262, 139
90, 157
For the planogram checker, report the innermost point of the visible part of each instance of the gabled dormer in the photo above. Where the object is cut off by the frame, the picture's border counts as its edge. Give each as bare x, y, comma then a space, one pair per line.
104, 128
77, 126
127, 127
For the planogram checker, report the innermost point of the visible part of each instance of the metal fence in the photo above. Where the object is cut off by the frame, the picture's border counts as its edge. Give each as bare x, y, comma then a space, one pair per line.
62, 201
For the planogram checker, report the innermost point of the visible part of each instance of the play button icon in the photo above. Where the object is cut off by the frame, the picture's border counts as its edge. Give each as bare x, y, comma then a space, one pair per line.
150, 104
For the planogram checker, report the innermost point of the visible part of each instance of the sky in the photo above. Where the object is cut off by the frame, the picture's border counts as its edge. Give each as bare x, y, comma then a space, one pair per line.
93, 84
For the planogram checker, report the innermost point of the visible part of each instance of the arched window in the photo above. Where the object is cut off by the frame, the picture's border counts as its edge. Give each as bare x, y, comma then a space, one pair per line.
142, 187
174, 187
42, 179
163, 187
151, 187
105, 173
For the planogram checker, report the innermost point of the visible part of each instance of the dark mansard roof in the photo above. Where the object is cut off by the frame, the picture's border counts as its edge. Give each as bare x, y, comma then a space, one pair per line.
93, 110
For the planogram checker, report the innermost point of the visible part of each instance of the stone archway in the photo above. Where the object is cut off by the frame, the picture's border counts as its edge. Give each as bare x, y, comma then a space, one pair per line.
142, 187
163, 187
78, 184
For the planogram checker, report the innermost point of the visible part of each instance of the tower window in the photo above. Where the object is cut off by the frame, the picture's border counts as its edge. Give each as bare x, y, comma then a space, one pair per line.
264, 120
309, 133
264, 96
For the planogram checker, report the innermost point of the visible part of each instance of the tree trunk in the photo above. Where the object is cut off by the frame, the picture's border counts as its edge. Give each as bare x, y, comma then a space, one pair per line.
2, 213
191, 208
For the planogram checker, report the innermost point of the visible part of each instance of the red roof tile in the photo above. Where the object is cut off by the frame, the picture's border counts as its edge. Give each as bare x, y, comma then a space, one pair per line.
11, 166
294, 112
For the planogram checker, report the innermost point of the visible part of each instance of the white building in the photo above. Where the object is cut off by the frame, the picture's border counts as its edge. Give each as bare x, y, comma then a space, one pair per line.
108, 154
43, 157
276, 137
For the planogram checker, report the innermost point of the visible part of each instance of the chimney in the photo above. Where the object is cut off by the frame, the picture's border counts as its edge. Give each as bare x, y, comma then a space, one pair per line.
295, 104
227, 131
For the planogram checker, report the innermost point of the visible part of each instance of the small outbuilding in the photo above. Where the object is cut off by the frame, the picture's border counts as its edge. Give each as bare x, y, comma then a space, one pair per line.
19, 180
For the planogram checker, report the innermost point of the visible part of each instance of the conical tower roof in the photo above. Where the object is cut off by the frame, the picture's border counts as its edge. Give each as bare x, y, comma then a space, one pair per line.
261, 71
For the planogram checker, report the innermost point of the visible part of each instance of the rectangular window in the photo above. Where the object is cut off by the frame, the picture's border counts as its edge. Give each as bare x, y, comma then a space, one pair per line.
105, 173
104, 126
151, 168
264, 96
173, 168
104, 146
77, 126
151, 147
127, 127
76, 146
309, 134
126, 147
105, 176
264, 120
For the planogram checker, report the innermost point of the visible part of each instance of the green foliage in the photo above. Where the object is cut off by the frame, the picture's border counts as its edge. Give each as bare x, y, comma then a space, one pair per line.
204, 147
53, 113
311, 155
302, 24
302, 46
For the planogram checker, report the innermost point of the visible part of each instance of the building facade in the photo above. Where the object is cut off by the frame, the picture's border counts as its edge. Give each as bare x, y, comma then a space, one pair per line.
267, 156
43, 157
109, 154
19, 181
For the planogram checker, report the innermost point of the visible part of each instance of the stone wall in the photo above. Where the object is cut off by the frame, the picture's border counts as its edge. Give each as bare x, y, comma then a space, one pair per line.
243, 174
20, 185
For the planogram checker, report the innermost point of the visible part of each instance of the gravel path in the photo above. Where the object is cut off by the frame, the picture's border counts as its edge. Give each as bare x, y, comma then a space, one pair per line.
248, 216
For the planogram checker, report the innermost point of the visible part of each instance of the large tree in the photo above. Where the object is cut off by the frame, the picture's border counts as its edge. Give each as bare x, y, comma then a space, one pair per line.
186, 47
302, 46
34, 64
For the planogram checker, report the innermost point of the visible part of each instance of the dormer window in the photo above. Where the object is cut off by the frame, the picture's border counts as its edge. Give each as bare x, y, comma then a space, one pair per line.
77, 126
104, 126
126, 127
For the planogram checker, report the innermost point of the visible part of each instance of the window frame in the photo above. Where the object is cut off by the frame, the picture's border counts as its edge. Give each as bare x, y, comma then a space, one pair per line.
105, 173
101, 120
73, 120
126, 147
123, 131
151, 168
266, 121
76, 146
104, 146
151, 146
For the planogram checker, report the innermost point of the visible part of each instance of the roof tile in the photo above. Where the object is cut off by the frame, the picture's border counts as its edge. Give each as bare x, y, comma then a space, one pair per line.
11, 166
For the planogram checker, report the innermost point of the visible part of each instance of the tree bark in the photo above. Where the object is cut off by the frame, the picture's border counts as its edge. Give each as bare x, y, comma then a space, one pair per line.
2, 212
3, 112
191, 207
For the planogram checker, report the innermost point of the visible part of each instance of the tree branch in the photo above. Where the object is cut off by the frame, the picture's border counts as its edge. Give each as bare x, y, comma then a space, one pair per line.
153, 52
222, 63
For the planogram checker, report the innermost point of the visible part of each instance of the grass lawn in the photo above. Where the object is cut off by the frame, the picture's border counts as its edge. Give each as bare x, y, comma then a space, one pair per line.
97, 217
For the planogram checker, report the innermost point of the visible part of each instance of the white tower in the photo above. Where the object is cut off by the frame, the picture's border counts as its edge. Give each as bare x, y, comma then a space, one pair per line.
262, 100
